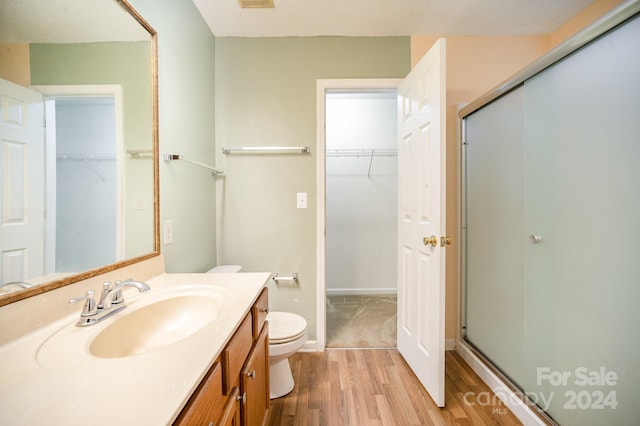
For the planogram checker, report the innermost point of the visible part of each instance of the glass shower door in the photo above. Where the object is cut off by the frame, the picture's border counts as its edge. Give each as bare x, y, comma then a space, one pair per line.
582, 204
552, 233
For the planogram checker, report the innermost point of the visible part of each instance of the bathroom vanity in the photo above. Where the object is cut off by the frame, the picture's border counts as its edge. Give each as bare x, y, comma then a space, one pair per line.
235, 390
203, 358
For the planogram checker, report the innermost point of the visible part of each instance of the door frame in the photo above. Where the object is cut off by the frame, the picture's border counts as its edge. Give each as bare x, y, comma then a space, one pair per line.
322, 86
86, 90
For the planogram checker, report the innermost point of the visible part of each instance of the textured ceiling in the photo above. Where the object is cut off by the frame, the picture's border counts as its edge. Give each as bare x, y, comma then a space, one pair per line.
388, 17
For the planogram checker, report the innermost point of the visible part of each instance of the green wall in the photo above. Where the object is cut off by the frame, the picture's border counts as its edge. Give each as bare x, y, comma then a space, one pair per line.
186, 55
266, 96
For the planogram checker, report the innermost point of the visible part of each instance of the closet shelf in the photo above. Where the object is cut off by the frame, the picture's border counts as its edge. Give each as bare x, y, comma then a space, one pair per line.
88, 158
362, 152
365, 153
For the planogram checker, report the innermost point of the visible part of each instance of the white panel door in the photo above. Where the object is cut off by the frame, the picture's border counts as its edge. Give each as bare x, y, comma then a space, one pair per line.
22, 188
421, 214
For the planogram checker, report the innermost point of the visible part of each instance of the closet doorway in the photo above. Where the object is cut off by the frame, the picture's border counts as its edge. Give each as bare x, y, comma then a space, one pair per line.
361, 217
84, 168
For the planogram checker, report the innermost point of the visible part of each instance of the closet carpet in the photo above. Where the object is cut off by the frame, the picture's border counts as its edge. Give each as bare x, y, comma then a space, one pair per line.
361, 321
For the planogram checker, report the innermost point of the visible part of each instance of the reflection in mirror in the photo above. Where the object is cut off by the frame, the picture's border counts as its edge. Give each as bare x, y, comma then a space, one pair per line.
78, 197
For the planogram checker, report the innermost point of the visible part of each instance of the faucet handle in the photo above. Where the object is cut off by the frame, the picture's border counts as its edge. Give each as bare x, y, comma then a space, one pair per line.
89, 306
117, 296
105, 290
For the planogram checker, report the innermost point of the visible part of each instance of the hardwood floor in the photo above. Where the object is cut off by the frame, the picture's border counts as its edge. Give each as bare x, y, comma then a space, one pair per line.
376, 387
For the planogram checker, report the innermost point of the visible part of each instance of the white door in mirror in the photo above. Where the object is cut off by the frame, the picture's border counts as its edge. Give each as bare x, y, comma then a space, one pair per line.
22, 176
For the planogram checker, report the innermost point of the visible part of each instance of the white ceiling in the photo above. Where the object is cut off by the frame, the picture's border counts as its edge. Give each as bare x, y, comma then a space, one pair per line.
388, 17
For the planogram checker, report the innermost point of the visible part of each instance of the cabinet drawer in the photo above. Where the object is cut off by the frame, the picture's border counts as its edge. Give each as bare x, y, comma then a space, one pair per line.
206, 403
235, 353
260, 310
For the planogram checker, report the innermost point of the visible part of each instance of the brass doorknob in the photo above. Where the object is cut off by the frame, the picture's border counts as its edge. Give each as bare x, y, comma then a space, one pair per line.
445, 241
433, 240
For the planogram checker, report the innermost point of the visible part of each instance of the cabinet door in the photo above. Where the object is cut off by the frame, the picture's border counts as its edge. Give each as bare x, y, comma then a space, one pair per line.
235, 353
255, 382
207, 401
231, 415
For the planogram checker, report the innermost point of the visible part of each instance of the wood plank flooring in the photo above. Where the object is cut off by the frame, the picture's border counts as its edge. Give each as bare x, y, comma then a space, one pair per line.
376, 387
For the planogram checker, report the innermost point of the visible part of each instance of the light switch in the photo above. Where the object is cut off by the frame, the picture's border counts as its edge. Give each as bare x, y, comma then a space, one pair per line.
138, 202
301, 200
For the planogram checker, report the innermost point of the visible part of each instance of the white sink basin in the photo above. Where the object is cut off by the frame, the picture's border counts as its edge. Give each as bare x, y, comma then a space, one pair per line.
151, 322
154, 326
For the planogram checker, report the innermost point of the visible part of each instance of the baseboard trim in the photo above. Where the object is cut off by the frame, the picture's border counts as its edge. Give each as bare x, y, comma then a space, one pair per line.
309, 346
359, 291
449, 344
519, 409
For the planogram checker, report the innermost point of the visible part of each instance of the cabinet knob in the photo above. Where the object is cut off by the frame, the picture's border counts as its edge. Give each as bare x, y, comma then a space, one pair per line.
265, 310
252, 374
242, 398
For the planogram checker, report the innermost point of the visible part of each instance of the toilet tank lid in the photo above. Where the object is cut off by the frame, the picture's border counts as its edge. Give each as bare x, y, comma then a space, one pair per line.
225, 269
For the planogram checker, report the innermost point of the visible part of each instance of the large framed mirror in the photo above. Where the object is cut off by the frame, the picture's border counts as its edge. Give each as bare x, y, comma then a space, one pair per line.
79, 195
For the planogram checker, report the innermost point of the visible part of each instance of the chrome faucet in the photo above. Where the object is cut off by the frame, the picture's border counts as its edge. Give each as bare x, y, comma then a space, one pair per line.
113, 296
111, 301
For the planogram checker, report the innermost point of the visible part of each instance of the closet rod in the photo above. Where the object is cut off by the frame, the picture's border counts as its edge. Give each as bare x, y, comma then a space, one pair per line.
170, 157
267, 150
85, 157
362, 152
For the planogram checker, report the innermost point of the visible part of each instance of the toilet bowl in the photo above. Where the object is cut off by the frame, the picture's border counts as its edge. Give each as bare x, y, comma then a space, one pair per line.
287, 334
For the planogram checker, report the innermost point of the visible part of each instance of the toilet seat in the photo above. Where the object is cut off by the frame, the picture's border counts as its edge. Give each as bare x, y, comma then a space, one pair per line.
285, 327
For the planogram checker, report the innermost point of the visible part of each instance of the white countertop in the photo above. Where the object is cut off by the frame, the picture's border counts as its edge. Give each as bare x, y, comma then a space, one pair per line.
145, 389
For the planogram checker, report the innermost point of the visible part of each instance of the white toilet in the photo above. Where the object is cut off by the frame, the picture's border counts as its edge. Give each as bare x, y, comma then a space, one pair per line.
287, 334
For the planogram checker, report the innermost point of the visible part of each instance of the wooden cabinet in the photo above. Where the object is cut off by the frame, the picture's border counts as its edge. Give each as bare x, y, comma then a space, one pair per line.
231, 414
254, 382
207, 402
235, 391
